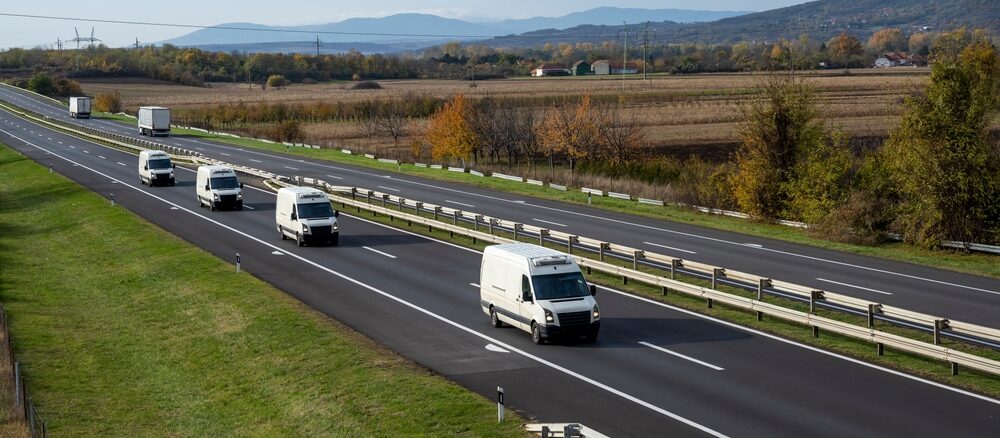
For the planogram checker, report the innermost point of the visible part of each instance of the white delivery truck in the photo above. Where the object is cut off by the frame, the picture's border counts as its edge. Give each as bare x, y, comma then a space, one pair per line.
538, 290
79, 107
155, 168
305, 214
217, 187
154, 120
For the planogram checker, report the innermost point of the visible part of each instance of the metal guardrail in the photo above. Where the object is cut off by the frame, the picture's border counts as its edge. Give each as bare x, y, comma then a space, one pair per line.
485, 227
875, 311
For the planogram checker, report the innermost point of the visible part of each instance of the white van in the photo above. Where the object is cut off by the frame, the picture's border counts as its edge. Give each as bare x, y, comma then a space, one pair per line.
217, 187
538, 290
305, 214
155, 168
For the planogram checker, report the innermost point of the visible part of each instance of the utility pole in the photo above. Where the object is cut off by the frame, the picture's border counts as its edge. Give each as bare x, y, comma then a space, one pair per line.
625, 53
317, 45
645, 47
59, 43
136, 45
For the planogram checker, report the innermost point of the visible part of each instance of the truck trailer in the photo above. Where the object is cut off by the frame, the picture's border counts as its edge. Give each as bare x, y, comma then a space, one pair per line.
154, 120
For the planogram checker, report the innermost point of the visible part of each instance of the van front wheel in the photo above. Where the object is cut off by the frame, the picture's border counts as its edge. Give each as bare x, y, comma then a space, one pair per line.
536, 334
298, 239
494, 318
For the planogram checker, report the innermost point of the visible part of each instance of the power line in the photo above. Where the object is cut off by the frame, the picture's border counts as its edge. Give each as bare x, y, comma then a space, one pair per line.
313, 32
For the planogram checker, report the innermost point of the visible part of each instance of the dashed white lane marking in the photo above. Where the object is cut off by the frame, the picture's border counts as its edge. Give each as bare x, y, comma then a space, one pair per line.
855, 287
549, 222
670, 247
122, 164
290, 167
474, 285
255, 161
173, 208
86, 152
101, 157
459, 203
223, 153
379, 252
277, 253
72, 147
334, 177
699, 362
492, 347
388, 188
248, 207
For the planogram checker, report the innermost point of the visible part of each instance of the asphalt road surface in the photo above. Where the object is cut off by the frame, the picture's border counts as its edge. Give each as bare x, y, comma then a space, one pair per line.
654, 371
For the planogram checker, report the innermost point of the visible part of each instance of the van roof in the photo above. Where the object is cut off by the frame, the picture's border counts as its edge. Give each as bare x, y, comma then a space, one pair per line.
303, 192
216, 168
152, 153
537, 258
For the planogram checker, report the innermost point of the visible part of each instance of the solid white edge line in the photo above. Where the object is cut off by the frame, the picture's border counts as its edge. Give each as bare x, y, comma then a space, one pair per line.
406, 303
856, 287
248, 207
379, 252
670, 247
685, 357
661, 304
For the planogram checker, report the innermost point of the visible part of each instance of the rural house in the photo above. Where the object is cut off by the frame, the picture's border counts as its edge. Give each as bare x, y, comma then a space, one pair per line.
581, 68
602, 67
629, 69
550, 70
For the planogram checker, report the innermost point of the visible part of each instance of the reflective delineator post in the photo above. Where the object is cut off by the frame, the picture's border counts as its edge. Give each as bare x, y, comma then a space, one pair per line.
237, 263
112, 199
500, 404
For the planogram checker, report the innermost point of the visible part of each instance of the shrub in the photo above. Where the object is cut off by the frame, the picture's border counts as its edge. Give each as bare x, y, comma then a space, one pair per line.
276, 81
42, 84
108, 102
367, 85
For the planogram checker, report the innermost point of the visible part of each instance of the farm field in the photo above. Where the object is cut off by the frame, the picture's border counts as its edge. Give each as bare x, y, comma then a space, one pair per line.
681, 115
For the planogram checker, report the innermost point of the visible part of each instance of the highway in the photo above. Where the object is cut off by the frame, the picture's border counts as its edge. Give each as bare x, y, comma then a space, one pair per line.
654, 371
939, 292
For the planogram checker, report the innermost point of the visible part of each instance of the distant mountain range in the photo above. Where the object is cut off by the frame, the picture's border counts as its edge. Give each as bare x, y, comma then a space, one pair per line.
819, 19
431, 29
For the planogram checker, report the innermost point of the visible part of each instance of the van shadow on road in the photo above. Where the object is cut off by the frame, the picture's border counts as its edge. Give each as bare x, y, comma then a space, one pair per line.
628, 332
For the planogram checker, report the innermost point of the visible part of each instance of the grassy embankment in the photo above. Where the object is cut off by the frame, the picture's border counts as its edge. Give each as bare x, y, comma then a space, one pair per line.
126, 330
974, 263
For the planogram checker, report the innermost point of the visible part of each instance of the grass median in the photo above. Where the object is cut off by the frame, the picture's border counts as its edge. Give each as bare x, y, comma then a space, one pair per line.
125, 330
973, 263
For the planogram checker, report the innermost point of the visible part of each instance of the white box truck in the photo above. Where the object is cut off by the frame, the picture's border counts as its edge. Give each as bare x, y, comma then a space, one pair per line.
79, 107
217, 187
154, 120
155, 168
305, 214
538, 290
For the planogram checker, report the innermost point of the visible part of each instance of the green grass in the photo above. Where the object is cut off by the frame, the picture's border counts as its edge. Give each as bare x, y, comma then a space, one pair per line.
972, 263
126, 330
913, 364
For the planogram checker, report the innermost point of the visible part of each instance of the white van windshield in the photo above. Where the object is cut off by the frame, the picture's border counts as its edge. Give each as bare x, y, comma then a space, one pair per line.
555, 286
315, 210
162, 163
225, 182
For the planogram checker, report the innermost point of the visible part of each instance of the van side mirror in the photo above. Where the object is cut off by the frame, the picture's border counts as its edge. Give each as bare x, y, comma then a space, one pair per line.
241, 185
593, 290
526, 296
206, 188
336, 213
294, 216
173, 166
146, 167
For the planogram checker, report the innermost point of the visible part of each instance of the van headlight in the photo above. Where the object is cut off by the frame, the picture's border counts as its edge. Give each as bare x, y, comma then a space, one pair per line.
305, 228
548, 316
215, 196
239, 195
336, 227
597, 312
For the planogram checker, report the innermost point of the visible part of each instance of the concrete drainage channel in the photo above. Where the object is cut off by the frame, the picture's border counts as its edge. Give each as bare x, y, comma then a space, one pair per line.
594, 254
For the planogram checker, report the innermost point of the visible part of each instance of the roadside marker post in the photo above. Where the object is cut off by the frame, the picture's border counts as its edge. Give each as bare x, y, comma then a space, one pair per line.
500, 404
237, 263
112, 199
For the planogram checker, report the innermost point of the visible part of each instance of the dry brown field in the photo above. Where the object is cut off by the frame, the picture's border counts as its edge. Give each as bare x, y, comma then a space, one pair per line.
683, 115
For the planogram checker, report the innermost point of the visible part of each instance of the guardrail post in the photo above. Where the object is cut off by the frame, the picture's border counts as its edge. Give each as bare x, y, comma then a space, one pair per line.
674, 265
416, 207
354, 191
385, 197
368, 196
635, 259
813, 296
601, 248
872, 310
937, 331
761, 285
517, 227
437, 211
476, 220
716, 273
570, 241
954, 368
492, 221
402, 202
455, 214
541, 236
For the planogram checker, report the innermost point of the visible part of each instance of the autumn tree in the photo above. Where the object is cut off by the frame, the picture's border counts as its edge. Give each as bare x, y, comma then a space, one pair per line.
943, 162
449, 131
889, 39
920, 43
108, 102
776, 128
821, 179
571, 131
621, 134
845, 50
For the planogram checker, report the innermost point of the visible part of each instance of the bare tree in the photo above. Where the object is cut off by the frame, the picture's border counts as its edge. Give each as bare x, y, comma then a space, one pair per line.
621, 134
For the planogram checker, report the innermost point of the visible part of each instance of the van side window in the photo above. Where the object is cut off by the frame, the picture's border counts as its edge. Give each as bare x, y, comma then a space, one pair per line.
525, 284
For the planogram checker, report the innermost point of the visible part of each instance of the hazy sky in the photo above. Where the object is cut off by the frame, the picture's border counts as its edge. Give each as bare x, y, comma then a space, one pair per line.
25, 32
